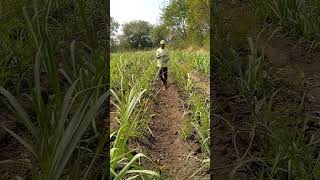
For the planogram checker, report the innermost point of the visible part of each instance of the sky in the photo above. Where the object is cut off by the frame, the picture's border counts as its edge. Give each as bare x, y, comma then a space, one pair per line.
128, 10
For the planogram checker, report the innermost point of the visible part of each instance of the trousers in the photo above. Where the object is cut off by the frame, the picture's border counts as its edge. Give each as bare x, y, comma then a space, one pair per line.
163, 74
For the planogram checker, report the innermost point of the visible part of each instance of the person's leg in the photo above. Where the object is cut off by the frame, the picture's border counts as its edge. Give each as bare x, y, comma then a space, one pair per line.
165, 74
161, 74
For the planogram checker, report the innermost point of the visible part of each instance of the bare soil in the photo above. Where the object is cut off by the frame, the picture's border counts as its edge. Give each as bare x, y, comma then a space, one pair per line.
229, 146
13, 155
295, 63
174, 156
14, 158
291, 62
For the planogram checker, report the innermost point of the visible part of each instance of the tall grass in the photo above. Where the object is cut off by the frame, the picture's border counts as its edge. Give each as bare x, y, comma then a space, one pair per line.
197, 103
68, 88
251, 81
198, 61
298, 17
55, 136
281, 143
130, 81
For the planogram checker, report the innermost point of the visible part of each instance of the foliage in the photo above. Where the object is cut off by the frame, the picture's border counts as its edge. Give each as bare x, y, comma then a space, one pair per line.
184, 23
114, 26
131, 91
199, 21
137, 34
229, 29
298, 17
160, 32
251, 81
279, 146
188, 22
175, 17
129, 99
61, 46
197, 109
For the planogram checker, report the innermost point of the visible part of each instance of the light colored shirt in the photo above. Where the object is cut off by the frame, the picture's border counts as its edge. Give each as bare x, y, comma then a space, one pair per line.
162, 57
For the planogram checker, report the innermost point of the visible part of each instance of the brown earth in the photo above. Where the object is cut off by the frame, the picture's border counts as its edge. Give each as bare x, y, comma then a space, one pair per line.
294, 62
174, 156
296, 66
290, 61
14, 157
228, 145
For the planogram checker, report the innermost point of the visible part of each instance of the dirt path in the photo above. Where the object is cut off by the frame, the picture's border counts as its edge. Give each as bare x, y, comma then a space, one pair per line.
174, 155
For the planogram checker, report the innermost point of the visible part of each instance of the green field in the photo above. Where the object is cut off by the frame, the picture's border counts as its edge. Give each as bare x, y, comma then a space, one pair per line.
133, 79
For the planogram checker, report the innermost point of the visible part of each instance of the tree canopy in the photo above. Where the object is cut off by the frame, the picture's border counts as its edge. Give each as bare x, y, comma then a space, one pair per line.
137, 34
183, 23
159, 32
114, 26
175, 17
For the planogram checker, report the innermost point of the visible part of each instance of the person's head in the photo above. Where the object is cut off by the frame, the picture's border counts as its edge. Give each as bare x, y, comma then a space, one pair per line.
162, 44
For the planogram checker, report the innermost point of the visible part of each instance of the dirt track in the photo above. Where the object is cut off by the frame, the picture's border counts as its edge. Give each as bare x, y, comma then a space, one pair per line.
173, 154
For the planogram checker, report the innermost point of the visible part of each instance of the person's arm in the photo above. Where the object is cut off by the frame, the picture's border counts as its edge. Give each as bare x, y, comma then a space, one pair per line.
158, 55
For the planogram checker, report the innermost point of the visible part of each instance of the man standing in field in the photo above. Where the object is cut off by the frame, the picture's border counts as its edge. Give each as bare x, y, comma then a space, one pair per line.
163, 58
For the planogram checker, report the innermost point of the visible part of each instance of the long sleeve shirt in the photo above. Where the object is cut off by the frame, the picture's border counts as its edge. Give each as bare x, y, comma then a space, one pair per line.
162, 57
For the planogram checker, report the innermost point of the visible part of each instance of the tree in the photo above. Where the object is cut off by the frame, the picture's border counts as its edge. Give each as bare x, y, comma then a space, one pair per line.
188, 21
137, 34
114, 26
199, 20
175, 16
159, 32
